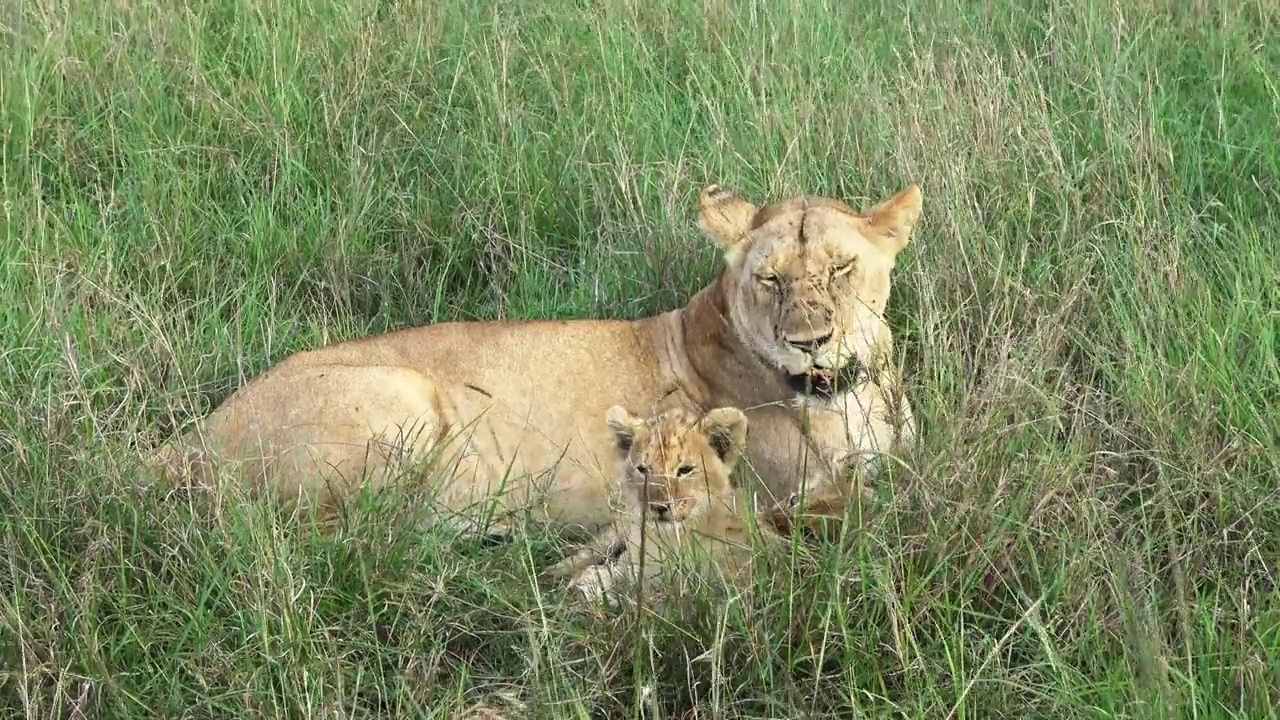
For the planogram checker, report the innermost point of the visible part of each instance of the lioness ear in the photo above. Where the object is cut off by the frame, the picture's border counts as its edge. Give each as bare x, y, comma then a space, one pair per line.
623, 425
889, 223
726, 431
726, 218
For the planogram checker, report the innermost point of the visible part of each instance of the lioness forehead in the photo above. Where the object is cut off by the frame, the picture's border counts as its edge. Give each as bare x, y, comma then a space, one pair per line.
799, 206
806, 235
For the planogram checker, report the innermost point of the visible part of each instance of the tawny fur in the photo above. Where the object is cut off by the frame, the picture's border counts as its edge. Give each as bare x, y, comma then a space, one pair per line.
675, 470
501, 404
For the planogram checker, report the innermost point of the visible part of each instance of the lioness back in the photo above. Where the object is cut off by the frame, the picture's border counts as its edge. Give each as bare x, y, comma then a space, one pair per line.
464, 396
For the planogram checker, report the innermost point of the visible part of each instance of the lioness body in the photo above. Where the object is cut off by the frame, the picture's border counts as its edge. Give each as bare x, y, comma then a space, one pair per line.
514, 407
464, 394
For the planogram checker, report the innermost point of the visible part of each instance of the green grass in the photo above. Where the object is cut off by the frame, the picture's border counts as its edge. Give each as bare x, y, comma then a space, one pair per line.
1089, 314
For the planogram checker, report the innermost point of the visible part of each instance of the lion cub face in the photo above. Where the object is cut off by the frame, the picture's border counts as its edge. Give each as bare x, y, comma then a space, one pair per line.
809, 276
678, 462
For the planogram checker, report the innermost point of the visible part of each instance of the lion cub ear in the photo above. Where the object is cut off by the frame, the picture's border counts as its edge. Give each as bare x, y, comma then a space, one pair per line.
726, 431
623, 425
888, 225
726, 218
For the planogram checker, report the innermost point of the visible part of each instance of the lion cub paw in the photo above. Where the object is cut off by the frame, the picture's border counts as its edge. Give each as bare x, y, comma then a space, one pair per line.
574, 563
597, 583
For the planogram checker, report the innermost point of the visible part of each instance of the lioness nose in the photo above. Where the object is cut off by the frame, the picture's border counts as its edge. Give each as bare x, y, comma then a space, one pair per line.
811, 344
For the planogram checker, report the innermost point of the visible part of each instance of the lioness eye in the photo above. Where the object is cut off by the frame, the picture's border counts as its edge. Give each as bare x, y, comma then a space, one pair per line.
642, 469
684, 470
767, 280
842, 269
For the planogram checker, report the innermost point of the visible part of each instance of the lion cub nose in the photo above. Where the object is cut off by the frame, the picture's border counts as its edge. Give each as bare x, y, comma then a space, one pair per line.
811, 344
661, 509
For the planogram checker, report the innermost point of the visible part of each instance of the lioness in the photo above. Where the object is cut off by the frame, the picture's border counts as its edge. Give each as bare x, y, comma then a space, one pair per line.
792, 330
674, 469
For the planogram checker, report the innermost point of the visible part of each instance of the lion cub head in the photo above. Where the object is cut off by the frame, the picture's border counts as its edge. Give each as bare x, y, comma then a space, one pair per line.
808, 279
677, 463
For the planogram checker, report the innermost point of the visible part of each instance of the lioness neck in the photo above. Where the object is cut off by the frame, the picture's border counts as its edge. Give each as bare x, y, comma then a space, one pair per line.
721, 365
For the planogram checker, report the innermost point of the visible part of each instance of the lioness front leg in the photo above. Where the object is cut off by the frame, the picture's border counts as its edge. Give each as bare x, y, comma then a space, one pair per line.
818, 514
851, 434
795, 469
822, 457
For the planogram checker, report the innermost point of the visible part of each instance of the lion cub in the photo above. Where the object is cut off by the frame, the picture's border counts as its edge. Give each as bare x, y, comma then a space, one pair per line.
674, 471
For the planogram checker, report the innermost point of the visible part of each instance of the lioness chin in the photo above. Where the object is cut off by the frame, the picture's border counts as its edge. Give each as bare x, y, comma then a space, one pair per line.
506, 413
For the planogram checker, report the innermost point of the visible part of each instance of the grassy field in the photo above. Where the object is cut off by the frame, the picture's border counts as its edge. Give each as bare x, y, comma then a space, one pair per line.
1089, 314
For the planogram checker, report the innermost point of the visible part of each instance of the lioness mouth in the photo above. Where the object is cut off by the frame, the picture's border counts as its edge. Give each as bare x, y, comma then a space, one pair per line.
826, 382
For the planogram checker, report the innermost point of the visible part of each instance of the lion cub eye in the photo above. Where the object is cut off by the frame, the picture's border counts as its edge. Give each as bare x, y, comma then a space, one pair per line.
684, 470
642, 469
767, 279
842, 269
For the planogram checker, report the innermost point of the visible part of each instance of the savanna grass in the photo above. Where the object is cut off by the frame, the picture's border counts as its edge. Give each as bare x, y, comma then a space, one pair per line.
1089, 315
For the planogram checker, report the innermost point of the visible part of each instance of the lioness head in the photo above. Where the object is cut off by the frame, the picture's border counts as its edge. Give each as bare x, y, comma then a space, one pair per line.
677, 461
809, 277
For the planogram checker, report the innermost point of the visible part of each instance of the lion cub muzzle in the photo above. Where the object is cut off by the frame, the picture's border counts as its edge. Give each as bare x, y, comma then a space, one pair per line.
674, 510
663, 510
